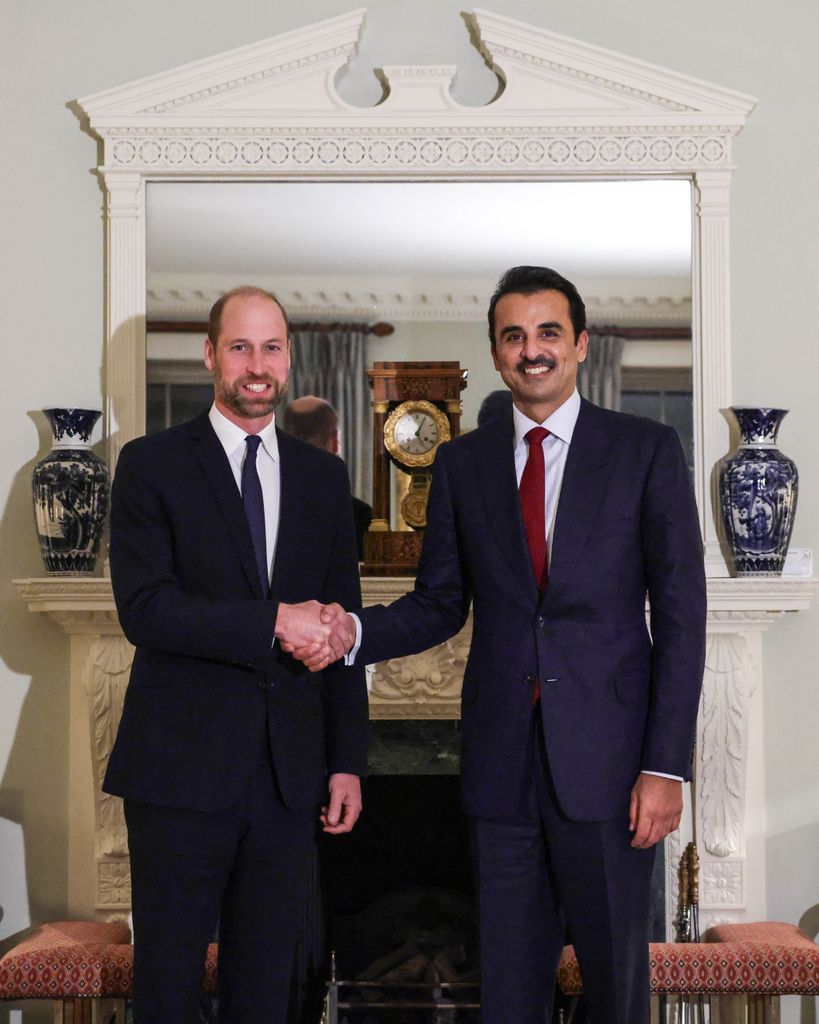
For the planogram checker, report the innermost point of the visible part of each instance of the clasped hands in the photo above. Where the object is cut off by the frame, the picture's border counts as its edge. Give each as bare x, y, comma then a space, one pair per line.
317, 634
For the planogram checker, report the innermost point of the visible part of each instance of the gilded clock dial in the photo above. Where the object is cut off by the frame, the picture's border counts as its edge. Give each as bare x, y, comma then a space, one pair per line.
413, 432
417, 432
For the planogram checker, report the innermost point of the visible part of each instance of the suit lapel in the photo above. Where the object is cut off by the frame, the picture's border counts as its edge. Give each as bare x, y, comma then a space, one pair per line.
219, 475
495, 463
581, 491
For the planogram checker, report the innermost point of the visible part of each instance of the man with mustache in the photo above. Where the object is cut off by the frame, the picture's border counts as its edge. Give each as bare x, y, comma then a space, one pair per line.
229, 751
555, 520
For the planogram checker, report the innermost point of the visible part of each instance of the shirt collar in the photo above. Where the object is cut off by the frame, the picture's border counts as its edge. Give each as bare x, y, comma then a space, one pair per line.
560, 424
232, 436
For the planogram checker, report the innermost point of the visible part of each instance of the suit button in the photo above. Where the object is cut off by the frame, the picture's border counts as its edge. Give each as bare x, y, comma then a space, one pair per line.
529, 680
262, 685
540, 622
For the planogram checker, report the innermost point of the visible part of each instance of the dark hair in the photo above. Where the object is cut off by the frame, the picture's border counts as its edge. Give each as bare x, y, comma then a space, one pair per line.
315, 421
495, 404
527, 281
215, 316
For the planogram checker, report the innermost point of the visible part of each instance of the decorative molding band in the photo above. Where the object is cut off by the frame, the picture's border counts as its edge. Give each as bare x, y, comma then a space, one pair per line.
607, 84
484, 151
322, 57
354, 299
745, 600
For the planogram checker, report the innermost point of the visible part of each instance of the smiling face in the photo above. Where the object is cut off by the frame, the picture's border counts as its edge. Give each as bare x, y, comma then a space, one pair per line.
535, 350
250, 361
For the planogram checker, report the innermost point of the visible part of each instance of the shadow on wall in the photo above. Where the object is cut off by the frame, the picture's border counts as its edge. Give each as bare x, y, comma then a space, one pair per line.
34, 754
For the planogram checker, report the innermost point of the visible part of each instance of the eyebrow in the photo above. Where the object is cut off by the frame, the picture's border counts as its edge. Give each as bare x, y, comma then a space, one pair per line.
247, 341
551, 324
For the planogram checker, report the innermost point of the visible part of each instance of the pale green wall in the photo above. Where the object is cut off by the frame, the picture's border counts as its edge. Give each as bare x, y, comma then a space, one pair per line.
53, 51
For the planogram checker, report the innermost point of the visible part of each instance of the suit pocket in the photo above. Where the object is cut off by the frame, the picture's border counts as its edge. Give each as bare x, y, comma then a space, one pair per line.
631, 689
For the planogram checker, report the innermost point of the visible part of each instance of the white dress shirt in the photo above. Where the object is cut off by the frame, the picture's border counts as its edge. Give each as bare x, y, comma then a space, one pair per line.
268, 466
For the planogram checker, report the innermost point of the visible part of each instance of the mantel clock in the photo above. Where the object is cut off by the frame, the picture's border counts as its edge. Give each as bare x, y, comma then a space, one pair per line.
416, 407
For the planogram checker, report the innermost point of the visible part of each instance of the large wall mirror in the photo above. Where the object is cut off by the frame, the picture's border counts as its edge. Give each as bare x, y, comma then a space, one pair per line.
249, 166
421, 258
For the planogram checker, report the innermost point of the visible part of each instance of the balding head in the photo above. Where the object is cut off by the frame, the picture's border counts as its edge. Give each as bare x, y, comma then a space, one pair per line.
314, 420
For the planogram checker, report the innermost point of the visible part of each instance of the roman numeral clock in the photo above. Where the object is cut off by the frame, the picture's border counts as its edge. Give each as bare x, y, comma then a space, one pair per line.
416, 407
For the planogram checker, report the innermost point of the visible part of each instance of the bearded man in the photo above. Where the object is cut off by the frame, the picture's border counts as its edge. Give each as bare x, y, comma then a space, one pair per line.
229, 751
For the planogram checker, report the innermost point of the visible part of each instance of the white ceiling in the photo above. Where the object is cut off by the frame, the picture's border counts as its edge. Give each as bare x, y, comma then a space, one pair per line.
375, 239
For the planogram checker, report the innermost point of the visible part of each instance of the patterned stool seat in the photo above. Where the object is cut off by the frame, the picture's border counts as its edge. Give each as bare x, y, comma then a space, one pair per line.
77, 960
724, 968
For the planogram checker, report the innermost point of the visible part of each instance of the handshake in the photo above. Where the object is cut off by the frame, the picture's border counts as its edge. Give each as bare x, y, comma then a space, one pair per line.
315, 633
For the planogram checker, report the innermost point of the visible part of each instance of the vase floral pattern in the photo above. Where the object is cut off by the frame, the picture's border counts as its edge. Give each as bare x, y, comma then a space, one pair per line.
70, 488
758, 491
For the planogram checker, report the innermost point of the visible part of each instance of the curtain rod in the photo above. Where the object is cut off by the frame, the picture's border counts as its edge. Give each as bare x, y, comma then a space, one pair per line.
643, 333
380, 329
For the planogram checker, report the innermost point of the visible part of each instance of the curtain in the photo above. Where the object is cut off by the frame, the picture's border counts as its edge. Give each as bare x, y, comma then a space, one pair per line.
598, 376
331, 364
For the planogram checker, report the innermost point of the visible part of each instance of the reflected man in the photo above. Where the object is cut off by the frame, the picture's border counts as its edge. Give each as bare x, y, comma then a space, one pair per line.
315, 421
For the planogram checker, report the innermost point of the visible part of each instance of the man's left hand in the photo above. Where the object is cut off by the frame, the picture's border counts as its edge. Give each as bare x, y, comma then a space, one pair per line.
345, 804
655, 809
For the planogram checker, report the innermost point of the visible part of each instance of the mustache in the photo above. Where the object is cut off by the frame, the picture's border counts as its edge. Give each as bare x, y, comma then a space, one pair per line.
547, 361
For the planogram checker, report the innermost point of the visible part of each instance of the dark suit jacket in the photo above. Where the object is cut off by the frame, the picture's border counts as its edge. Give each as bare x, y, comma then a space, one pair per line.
362, 517
614, 701
207, 681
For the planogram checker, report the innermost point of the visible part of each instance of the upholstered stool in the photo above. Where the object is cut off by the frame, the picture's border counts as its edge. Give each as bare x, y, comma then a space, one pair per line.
80, 964
762, 962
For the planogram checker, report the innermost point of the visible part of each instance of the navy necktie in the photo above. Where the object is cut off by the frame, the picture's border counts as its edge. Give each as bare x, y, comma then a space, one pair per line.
254, 508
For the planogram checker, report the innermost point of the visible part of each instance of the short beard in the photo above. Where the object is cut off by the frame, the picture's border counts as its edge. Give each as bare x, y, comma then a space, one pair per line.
249, 408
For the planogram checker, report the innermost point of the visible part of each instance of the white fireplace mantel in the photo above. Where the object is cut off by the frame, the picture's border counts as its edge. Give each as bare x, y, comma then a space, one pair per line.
729, 782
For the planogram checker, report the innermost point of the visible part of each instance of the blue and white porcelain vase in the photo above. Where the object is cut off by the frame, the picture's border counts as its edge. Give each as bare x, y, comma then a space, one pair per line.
71, 487
758, 490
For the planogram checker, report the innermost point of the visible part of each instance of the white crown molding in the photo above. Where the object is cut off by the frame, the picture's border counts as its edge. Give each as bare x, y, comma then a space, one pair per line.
190, 296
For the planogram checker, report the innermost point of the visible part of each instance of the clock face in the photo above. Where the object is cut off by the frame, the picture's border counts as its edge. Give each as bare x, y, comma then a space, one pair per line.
413, 431
416, 433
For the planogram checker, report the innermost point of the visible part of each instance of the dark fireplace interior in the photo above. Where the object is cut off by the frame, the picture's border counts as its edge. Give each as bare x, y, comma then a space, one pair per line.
398, 894
398, 890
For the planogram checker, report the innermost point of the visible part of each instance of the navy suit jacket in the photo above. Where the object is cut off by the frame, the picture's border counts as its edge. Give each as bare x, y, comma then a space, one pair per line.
614, 699
207, 684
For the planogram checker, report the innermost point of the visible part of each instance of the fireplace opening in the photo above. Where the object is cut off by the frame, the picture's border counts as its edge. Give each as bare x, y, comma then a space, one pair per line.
398, 894
398, 891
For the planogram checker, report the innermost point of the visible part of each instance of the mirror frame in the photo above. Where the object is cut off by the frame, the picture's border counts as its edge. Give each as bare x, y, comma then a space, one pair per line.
567, 111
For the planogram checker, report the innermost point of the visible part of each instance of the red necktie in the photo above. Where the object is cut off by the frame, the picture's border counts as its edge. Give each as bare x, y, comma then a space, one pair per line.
532, 492
532, 503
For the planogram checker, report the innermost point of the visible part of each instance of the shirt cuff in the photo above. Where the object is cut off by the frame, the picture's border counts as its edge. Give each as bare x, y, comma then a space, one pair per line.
352, 654
664, 775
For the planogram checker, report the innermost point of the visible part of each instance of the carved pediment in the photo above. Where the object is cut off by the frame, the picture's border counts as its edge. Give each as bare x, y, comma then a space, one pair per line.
290, 74
290, 79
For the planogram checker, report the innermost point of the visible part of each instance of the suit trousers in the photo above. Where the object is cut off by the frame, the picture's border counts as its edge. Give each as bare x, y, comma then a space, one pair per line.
543, 881
245, 867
